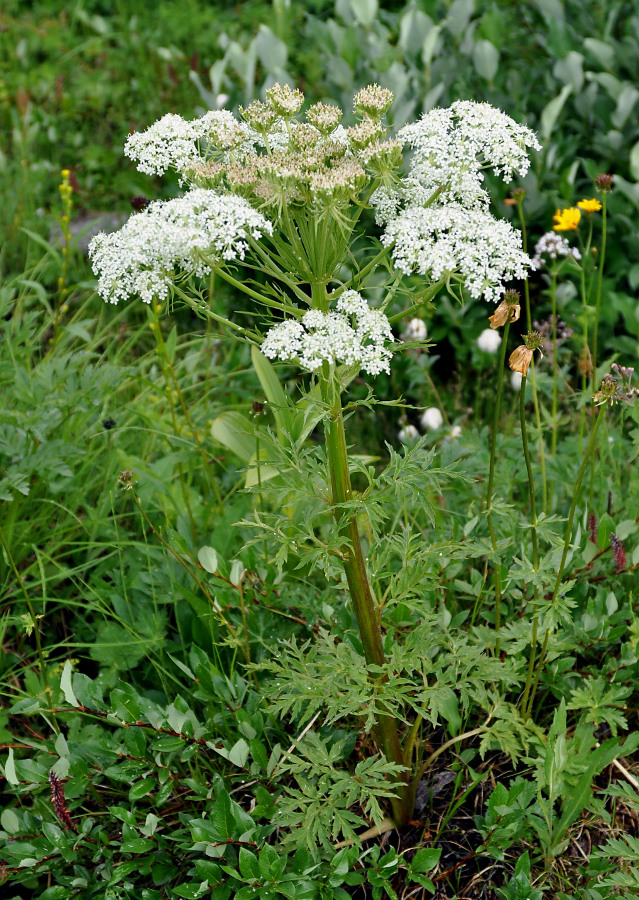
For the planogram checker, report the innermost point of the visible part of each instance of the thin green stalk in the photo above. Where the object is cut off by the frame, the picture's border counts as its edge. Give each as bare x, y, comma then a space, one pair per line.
595, 334
586, 361
535, 542
491, 481
533, 379
36, 629
555, 386
602, 260
560, 572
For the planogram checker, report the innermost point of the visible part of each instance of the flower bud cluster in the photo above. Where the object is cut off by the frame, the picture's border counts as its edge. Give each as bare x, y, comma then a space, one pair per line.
352, 334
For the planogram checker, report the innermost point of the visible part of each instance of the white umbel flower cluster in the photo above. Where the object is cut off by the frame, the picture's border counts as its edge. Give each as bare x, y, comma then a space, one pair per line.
452, 146
553, 246
442, 241
352, 334
438, 217
170, 143
185, 234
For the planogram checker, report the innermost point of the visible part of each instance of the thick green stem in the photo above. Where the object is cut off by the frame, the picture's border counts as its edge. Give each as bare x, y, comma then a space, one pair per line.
491, 480
560, 572
356, 575
359, 588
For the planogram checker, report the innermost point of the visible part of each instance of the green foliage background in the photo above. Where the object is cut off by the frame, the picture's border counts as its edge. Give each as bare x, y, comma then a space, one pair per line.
114, 592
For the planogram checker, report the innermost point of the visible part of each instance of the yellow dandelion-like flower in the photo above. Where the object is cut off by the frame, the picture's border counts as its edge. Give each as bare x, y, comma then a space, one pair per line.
589, 206
566, 219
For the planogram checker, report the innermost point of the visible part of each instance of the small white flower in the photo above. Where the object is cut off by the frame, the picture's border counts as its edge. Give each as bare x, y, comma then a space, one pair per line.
431, 419
415, 330
221, 100
489, 340
455, 432
515, 381
408, 434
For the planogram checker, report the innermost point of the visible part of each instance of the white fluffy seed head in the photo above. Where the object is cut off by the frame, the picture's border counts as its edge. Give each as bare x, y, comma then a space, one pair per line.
489, 340
415, 330
408, 434
431, 419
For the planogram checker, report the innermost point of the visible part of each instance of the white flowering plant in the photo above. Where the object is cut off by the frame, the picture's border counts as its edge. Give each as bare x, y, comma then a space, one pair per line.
280, 206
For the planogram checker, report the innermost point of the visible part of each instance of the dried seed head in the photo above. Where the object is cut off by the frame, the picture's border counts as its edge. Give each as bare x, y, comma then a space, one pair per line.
604, 182
534, 340
585, 362
592, 527
618, 552
607, 392
508, 309
519, 360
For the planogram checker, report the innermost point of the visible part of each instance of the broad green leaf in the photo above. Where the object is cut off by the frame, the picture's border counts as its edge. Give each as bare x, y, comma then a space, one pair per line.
65, 684
365, 11
551, 112
272, 51
634, 163
272, 390
171, 344
10, 768
208, 559
486, 59
9, 821
234, 431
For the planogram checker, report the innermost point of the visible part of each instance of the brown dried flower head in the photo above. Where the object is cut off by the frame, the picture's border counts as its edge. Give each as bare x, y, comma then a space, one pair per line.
585, 362
508, 310
521, 357
519, 360
604, 182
